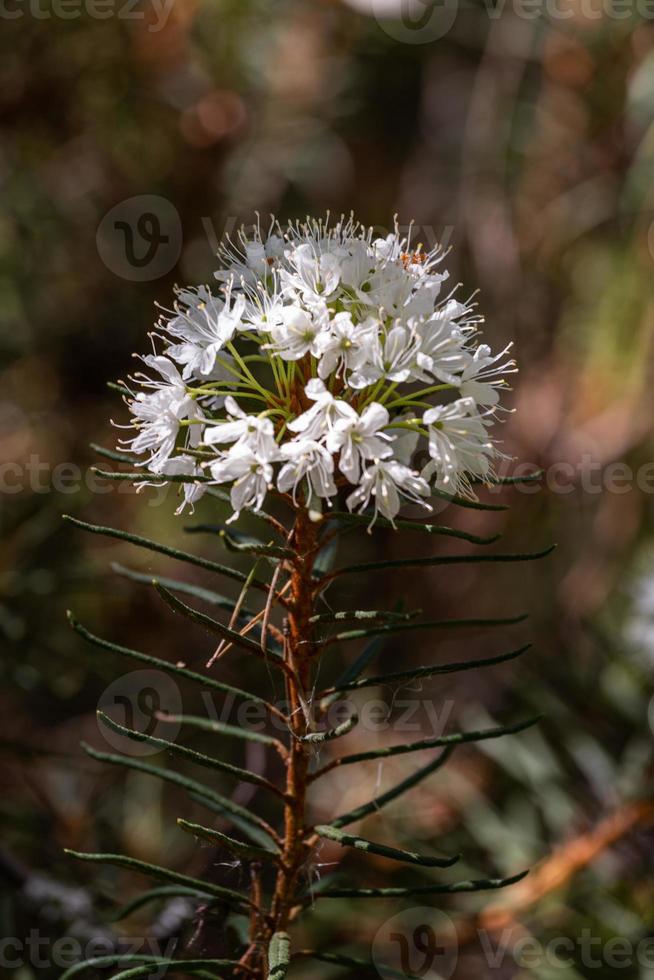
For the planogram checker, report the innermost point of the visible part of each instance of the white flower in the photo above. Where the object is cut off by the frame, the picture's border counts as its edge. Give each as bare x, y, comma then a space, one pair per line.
359, 439
357, 265
251, 260
318, 420
307, 459
384, 481
347, 345
255, 431
442, 351
205, 325
298, 332
311, 274
392, 357
480, 379
339, 344
158, 415
185, 465
459, 445
252, 477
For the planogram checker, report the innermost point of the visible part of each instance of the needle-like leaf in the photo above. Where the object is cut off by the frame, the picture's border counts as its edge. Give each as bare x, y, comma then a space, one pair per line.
328, 736
480, 885
186, 588
209, 624
446, 624
154, 895
236, 847
144, 476
410, 525
155, 871
146, 658
196, 969
359, 614
354, 963
373, 806
394, 853
221, 728
235, 541
402, 676
162, 549
456, 738
466, 502
208, 797
207, 761
376, 566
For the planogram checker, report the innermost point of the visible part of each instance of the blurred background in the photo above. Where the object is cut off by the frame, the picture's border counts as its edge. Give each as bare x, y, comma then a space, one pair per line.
521, 135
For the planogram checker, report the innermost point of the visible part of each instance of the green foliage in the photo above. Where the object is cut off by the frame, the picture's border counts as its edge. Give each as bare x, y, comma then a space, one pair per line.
264, 845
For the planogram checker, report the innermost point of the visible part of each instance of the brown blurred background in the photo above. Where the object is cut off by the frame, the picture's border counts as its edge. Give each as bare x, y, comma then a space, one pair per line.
527, 144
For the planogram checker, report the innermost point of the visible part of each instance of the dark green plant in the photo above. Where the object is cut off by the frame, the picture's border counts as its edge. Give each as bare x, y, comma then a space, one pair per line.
336, 342
296, 586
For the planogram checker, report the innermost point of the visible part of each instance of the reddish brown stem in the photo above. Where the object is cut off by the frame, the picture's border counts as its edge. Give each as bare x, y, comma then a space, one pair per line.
298, 653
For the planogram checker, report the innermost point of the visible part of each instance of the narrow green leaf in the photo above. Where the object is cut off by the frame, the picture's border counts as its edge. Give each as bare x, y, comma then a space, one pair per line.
145, 658
356, 614
220, 728
162, 549
114, 454
456, 738
394, 792
189, 966
279, 955
235, 541
155, 871
198, 791
465, 502
376, 566
446, 624
480, 885
353, 962
236, 847
401, 676
145, 476
421, 526
112, 959
199, 758
149, 962
328, 736
261, 838
395, 854
153, 895
209, 624
187, 588
503, 481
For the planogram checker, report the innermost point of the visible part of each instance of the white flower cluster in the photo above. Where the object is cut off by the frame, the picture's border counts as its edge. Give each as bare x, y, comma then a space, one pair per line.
315, 370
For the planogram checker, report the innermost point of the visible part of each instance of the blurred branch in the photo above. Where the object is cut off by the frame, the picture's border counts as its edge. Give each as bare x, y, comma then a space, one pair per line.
558, 869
